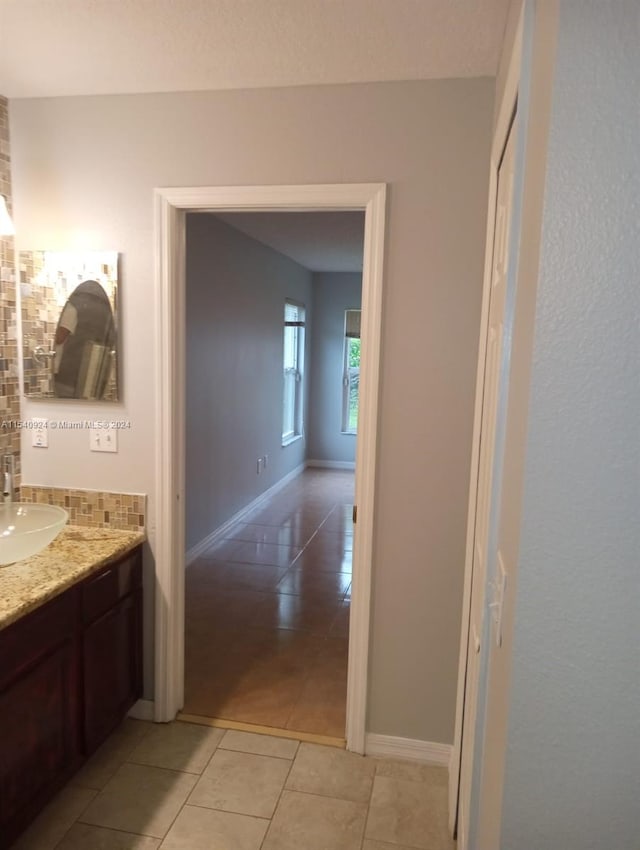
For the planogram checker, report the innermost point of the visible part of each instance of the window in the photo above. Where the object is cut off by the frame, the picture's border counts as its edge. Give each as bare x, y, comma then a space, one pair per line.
293, 362
351, 372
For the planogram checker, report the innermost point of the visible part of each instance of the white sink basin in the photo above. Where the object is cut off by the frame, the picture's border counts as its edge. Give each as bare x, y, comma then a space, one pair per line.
25, 529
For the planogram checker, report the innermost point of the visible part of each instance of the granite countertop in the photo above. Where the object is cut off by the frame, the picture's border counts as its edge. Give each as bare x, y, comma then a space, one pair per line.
75, 553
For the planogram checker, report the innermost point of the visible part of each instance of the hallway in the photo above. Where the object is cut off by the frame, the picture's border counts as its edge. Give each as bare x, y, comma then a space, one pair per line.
267, 612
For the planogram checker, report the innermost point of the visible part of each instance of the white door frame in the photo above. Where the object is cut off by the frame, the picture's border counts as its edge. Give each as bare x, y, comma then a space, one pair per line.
506, 110
171, 206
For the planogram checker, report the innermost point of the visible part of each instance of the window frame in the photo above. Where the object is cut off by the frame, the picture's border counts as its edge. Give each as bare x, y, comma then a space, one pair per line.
348, 373
297, 369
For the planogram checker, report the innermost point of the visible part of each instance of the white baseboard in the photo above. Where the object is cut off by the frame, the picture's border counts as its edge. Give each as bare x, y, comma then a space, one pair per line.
142, 710
332, 464
219, 533
427, 752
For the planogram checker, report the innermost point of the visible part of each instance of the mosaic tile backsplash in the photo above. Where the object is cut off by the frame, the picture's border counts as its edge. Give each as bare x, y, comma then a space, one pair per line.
92, 508
9, 387
39, 319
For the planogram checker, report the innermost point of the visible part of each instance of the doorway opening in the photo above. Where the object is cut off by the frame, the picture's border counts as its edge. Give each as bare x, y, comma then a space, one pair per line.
273, 318
172, 205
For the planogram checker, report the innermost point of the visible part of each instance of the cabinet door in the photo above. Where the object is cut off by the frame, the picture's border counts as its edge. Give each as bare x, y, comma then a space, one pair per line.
111, 664
38, 718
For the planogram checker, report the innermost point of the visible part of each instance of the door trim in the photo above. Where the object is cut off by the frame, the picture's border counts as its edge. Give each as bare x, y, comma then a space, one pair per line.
502, 127
171, 206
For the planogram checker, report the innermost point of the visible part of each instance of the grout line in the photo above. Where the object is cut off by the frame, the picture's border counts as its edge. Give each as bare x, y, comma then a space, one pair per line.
252, 753
186, 802
228, 811
275, 808
215, 750
77, 819
325, 796
74, 779
109, 829
178, 813
373, 779
160, 767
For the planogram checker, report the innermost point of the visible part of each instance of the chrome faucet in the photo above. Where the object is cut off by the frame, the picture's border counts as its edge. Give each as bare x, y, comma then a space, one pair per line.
8, 473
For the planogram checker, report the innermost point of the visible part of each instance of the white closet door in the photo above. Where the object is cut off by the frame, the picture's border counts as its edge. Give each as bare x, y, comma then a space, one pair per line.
493, 359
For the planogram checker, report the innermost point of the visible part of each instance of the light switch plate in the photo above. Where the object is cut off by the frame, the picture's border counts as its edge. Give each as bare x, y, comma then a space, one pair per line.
40, 433
103, 440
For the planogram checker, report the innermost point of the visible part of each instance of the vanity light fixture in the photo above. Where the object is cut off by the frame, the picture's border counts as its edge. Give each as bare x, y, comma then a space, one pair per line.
6, 225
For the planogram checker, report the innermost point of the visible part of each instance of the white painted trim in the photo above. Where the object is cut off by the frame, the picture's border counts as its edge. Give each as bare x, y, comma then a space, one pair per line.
366, 455
171, 204
220, 532
388, 746
144, 709
500, 135
290, 440
331, 464
169, 354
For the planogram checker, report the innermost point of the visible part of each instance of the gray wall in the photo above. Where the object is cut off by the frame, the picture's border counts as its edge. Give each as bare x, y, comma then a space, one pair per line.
84, 172
332, 295
572, 772
236, 288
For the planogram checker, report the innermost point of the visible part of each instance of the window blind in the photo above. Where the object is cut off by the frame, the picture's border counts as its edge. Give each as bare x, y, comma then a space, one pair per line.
352, 324
293, 315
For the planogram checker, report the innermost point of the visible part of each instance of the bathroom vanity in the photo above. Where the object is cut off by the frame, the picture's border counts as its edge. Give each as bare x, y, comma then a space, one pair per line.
70, 661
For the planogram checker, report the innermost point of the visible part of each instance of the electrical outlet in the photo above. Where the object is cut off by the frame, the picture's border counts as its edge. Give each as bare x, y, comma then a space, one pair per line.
259, 466
40, 433
103, 440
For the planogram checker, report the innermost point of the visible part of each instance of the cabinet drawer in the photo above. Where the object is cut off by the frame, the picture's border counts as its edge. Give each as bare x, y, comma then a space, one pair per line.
36, 635
103, 591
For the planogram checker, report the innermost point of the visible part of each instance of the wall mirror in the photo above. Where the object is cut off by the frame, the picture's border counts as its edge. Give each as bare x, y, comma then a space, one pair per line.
69, 306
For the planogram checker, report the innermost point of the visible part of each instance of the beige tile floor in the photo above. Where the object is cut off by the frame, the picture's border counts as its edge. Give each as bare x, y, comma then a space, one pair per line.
187, 787
267, 612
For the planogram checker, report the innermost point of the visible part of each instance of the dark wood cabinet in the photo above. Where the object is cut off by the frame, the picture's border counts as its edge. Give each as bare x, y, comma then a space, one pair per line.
111, 653
38, 714
69, 672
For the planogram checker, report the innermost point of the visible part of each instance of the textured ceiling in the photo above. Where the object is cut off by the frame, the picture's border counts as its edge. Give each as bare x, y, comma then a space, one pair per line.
322, 242
72, 47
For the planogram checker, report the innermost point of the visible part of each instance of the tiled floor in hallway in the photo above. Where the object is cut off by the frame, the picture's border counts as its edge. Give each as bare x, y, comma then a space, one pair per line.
267, 612
185, 787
